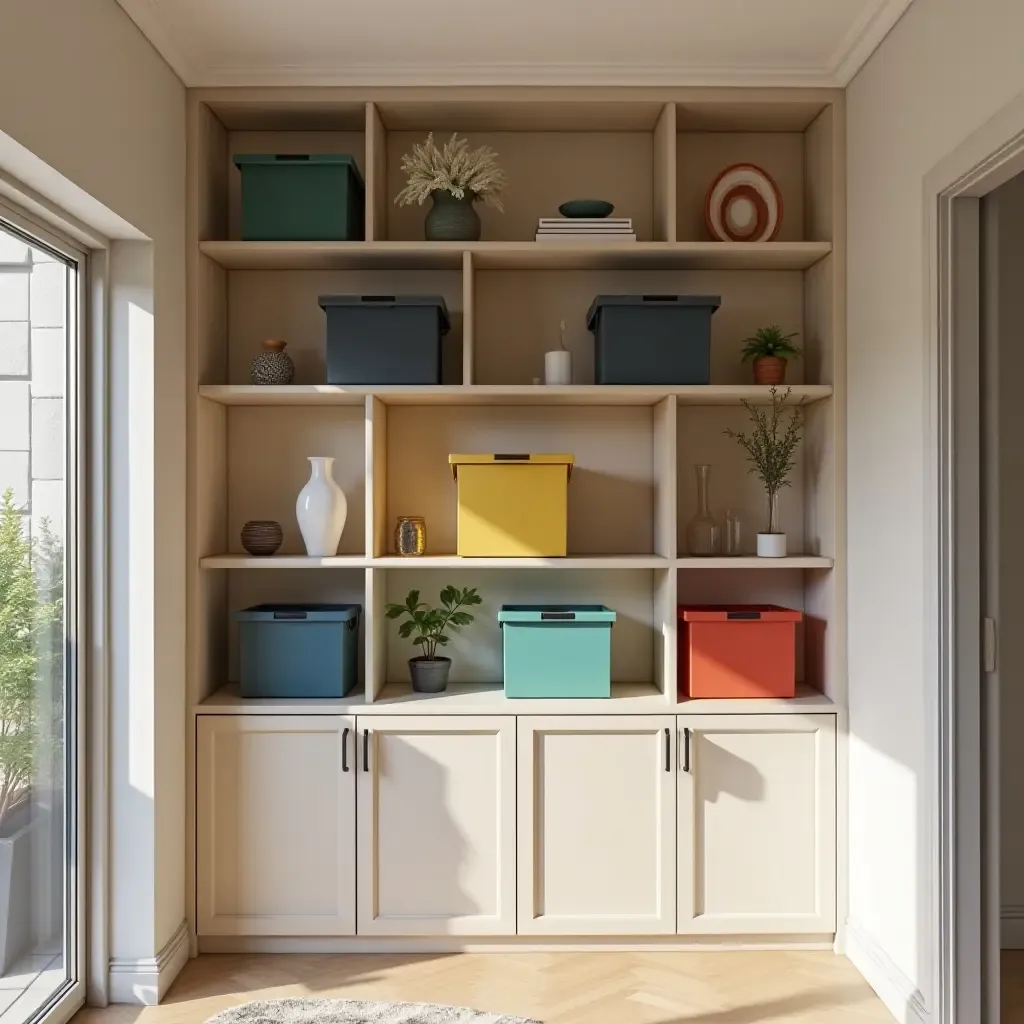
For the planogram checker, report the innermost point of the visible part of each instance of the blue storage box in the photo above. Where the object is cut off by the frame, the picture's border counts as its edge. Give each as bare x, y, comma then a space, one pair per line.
557, 650
298, 650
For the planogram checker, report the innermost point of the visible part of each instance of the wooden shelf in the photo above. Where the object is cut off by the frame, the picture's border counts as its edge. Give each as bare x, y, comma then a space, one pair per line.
233, 255
489, 698
283, 562
501, 394
433, 562
753, 562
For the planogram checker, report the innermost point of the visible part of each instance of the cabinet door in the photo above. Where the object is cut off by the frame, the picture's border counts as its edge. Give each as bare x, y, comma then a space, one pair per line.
436, 825
597, 825
276, 825
757, 825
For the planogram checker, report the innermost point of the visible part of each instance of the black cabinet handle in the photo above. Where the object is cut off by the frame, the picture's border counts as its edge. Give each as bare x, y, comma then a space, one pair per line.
686, 750
668, 750
366, 750
344, 749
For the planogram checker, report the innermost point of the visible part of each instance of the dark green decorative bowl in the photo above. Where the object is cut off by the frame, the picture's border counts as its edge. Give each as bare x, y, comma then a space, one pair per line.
586, 208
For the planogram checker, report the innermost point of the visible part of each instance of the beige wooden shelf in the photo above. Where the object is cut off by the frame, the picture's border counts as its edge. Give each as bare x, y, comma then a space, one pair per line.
753, 562
489, 698
233, 255
501, 394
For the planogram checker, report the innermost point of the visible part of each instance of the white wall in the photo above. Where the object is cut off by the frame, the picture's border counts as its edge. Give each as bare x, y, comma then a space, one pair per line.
946, 68
83, 90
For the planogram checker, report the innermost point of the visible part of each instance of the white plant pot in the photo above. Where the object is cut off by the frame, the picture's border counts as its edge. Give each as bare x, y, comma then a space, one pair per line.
321, 510
558, 367
771, 545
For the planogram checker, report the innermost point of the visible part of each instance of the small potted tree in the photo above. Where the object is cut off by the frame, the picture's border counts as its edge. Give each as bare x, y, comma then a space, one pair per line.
432, 627
770, 350
771, 450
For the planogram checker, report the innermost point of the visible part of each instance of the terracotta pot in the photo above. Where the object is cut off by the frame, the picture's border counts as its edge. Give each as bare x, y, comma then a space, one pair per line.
770, 370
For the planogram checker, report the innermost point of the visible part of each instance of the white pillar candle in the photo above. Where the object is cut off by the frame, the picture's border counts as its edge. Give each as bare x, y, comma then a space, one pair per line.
558, 367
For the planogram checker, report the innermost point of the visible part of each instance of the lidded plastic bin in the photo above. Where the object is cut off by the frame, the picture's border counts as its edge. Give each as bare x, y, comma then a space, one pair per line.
384, 339
737, 650
512, 504
652, 339
288, 197
559, 650
298, 650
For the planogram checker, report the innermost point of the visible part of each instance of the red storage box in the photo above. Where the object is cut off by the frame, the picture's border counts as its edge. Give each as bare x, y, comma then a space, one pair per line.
737, 650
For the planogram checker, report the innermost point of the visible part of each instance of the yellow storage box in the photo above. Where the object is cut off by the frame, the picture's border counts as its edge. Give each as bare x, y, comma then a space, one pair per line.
512, 505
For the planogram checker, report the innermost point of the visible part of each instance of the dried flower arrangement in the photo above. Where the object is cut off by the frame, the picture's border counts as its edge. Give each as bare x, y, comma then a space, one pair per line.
455, 169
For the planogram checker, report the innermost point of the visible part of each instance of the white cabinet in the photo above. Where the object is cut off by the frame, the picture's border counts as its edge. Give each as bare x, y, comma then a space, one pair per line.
597, 825
436, 825
757, 824
275, 829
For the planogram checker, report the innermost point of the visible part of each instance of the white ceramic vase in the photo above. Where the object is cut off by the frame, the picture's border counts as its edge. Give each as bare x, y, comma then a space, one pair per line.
321, 510
771, 545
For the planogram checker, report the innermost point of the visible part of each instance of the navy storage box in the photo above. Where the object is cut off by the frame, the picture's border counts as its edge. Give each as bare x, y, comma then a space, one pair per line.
298, 650
384, 339
288, 197
652, 339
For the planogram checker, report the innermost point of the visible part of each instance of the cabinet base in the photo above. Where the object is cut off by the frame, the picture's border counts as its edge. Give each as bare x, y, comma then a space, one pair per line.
654, 944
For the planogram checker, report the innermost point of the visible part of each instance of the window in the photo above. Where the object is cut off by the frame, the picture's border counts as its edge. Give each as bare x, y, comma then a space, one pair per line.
40, 713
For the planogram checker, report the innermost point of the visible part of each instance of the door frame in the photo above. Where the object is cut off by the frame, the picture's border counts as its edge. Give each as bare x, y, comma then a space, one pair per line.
966, 932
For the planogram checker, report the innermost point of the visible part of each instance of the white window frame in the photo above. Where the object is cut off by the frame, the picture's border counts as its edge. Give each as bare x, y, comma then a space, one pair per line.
85, 609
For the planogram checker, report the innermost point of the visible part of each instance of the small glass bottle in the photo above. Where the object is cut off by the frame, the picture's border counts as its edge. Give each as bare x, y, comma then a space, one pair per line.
733, 532
703, 532
411, 536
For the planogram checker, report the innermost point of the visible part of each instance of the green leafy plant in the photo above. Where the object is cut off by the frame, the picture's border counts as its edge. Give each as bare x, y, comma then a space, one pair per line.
770, 341
31, 643
432, 625
771, 446
455, 168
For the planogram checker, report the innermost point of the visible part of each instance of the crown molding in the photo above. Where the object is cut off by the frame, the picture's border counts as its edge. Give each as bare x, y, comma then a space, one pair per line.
196, 72
864, 37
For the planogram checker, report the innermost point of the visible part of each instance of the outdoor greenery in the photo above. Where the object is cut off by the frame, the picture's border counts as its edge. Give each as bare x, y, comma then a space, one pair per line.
31, 649
770, 341
456, 169
432, 625
771, 445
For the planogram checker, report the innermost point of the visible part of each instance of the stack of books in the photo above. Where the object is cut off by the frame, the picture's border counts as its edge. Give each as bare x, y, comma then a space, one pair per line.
585, 229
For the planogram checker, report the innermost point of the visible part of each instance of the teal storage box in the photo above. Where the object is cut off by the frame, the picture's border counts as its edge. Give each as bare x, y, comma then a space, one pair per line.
315, 197
557, 650
298, 650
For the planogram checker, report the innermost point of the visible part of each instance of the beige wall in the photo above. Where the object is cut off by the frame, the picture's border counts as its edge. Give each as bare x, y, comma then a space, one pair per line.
946, 68
83, 90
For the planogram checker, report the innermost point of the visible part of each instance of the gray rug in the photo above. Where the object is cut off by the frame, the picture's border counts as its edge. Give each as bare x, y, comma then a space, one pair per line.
355, 1011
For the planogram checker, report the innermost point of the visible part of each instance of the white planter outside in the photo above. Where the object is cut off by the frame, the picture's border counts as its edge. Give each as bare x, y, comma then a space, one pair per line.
321, 510
15, 896
771, 545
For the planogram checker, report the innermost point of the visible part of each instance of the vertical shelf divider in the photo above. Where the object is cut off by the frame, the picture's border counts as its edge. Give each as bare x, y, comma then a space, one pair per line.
665, 175
468, 317
376, 176
666, 654
665, 469
375, 637
376, 476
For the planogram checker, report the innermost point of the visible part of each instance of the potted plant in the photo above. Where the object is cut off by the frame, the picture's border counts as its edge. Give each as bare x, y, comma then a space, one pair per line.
454, 178
770, 349
432, 625
771, 449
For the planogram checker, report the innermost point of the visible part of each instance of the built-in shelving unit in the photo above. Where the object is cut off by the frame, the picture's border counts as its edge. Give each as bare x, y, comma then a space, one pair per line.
653, 153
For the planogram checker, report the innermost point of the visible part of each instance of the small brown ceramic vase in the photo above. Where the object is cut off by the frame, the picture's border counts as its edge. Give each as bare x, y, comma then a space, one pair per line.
262, 537
770, 370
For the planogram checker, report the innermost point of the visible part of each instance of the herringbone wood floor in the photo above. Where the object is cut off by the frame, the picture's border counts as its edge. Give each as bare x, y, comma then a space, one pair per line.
557, 988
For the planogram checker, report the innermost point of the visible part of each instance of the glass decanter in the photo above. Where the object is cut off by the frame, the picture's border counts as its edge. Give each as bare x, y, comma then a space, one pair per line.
704, 531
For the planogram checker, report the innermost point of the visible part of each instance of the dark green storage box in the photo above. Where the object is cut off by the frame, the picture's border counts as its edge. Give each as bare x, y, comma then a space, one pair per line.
315, 197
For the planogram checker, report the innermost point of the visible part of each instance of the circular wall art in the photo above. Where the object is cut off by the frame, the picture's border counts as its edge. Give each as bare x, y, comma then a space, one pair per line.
743, 204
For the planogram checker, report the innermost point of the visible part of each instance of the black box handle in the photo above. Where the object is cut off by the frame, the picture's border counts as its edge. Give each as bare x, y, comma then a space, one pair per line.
660, 298
292, 156
557, 616
511, 457
290, 615
376, 298
743, 615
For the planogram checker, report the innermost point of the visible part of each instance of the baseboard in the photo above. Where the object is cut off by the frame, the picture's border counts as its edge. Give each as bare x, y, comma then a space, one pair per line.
901, 996
510, 944
146, 981
1011, 927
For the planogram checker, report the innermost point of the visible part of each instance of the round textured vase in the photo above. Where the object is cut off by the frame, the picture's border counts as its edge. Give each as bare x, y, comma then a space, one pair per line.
770, 370
321, 510
273, 365
451, 219
429, 675
262, 536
